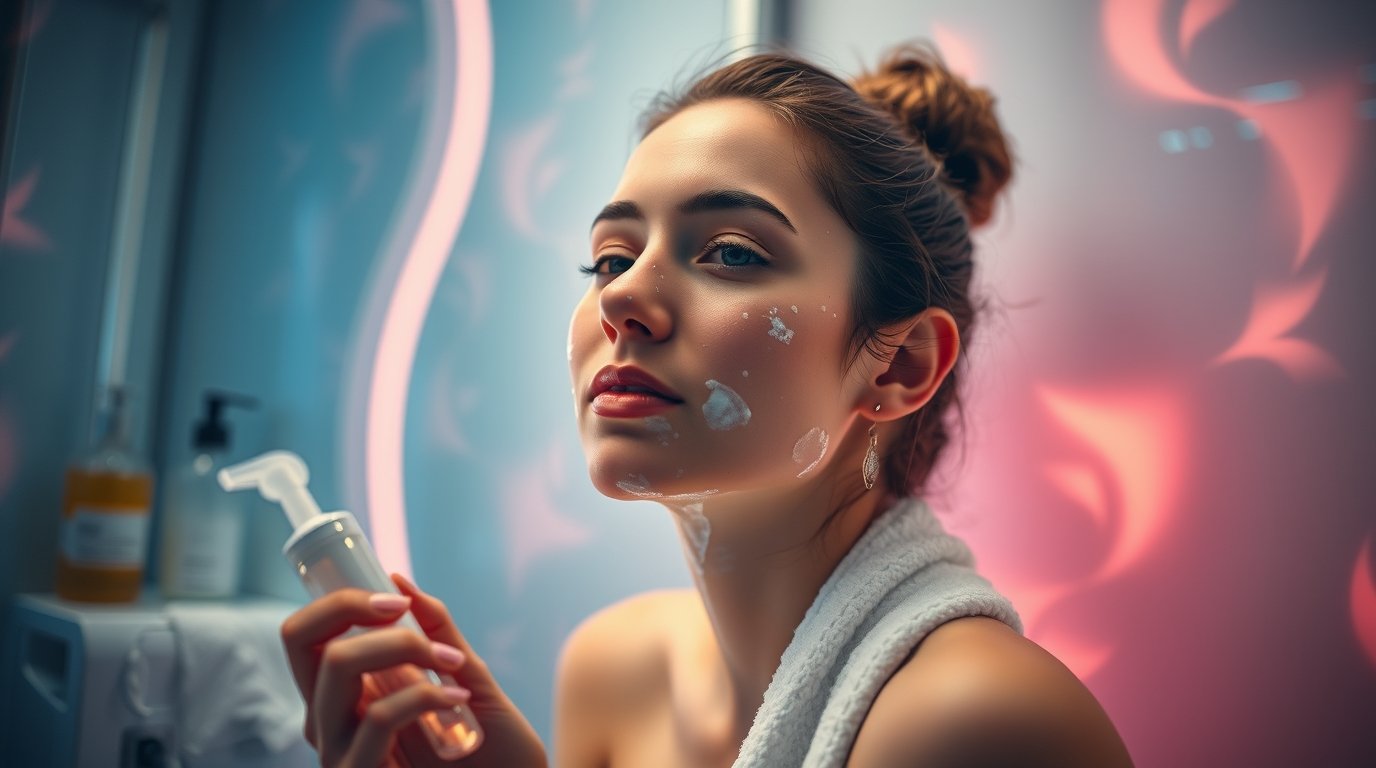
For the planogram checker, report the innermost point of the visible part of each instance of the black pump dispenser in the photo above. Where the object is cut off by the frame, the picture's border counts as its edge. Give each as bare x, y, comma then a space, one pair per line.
211, 433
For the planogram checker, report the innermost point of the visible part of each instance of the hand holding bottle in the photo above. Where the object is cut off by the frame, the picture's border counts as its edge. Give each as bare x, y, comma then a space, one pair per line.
351, 722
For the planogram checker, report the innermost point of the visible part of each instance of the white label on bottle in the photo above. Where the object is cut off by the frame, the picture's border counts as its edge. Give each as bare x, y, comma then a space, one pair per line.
207, 563
105, 538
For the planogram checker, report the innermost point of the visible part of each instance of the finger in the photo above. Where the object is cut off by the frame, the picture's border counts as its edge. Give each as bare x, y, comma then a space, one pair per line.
394, 655
433, 617
378, 729
305, 632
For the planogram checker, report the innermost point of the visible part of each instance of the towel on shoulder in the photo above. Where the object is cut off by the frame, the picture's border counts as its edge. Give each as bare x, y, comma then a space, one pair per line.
904, 577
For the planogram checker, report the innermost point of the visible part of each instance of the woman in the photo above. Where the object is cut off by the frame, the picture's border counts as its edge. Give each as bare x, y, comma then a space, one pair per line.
770, 348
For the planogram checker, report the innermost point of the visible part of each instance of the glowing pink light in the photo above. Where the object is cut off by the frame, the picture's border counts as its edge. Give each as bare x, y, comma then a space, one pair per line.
7, 343
1132, 32
1033, 601
1197, 15
1317, 170
410, 299
959, 54
1277, 310
1362, 602
1083, 659
1081, 484
15, 231
1139, 437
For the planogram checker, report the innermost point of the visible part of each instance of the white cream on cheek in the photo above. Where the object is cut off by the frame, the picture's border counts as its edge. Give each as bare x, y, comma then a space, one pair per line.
637, 485
661, 428
724, 409
810, 449
777, 329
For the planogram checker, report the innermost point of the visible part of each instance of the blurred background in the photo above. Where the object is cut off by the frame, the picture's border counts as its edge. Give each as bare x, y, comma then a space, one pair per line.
367, 216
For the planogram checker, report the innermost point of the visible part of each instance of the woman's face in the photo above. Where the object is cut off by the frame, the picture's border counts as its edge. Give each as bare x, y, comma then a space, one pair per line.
724, 275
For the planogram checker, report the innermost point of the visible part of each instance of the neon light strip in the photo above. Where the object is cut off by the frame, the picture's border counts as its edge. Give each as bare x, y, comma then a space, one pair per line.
416, 281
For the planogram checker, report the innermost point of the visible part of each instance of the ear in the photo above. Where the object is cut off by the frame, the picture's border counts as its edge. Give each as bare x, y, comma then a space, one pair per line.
907, 379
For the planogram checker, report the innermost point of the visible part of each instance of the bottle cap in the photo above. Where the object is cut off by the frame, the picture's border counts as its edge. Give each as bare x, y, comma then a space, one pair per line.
211, 433
279, 476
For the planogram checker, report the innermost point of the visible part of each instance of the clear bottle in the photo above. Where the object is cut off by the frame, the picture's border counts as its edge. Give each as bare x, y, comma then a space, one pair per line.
106, 500
329, 552
202, 526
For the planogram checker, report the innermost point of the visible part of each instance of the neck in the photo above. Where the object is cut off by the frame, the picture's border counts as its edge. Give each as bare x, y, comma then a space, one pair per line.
758, 560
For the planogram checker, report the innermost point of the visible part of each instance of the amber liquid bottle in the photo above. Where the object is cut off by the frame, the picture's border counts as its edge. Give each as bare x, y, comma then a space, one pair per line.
105, 512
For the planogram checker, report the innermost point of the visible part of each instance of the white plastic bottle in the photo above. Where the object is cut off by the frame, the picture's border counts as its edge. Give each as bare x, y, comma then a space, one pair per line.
202, 527
329, 552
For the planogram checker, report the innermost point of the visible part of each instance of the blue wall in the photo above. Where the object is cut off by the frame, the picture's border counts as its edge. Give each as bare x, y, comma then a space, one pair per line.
311, 129
80, 66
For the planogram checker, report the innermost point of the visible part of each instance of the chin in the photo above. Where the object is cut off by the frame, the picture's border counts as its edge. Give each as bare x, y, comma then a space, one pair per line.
620, 479
635, 481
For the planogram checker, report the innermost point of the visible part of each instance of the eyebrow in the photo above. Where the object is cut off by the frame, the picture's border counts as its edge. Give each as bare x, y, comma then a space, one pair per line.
711, 200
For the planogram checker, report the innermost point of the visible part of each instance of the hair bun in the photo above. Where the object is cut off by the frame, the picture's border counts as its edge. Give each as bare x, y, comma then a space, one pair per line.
953, 119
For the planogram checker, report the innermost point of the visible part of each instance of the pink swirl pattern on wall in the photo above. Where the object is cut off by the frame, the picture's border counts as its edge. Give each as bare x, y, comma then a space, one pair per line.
15, 230
1362, 600
1317, 171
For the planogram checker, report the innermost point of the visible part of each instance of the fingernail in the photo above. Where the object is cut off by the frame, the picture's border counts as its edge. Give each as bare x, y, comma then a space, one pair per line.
388, 602
455, 695
448, 654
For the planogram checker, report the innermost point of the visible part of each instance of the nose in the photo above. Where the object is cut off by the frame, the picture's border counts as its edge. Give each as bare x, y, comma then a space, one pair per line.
636, 305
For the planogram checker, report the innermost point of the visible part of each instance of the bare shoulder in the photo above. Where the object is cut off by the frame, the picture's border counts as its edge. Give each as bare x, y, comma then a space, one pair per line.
976, 693
612, 663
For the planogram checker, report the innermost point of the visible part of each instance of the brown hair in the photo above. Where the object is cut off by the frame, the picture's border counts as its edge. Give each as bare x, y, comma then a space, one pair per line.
911, 157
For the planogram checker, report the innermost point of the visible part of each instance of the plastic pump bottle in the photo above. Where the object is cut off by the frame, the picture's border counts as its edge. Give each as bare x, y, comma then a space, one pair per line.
203, 527
329, 552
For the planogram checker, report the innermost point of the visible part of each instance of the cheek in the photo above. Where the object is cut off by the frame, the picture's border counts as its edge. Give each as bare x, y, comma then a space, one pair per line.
584, 327
784, 366
777, 348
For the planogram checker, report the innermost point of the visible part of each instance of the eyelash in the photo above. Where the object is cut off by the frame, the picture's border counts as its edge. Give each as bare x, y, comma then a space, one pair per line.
712, 246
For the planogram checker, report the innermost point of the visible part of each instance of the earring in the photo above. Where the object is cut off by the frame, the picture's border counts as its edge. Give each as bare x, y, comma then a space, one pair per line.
870, 469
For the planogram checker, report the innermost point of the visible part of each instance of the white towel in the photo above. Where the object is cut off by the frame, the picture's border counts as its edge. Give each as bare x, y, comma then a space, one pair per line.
904, 577
235, 692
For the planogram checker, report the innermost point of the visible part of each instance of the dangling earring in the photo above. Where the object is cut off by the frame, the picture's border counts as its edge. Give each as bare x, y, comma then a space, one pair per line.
870, 469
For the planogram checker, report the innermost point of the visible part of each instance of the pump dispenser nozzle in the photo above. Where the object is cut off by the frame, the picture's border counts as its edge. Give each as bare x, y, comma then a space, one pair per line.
280, 476
329, 552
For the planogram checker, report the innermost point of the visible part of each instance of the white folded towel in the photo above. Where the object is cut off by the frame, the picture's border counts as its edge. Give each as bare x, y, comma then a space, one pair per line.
235, 692
904, 577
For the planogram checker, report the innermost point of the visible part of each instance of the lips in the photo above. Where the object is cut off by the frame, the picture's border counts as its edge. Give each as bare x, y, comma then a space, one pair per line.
629, 382
627, 392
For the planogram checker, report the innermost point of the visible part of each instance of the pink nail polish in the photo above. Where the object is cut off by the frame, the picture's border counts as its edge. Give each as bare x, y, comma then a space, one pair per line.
455, 695
387, 602
448, 654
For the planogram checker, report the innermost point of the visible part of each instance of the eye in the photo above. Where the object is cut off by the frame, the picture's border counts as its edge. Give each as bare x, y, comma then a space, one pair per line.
732, 254
607, 265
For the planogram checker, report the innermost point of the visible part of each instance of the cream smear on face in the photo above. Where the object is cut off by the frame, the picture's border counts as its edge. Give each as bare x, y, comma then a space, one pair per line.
724, 408
638, 486
696, 529
810, 449
661, 427
777, 329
